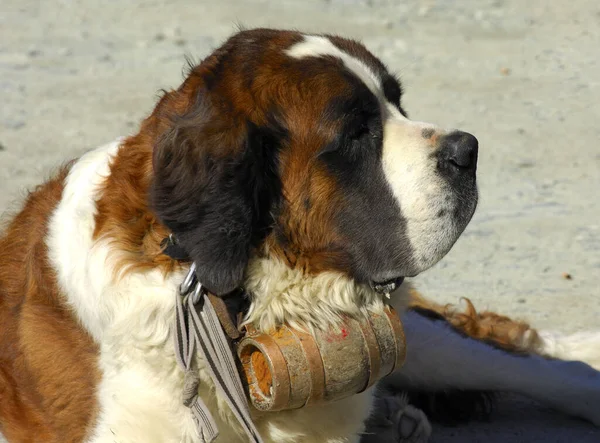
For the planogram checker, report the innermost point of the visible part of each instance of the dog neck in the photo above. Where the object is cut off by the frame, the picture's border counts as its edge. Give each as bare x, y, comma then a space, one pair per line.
282, 295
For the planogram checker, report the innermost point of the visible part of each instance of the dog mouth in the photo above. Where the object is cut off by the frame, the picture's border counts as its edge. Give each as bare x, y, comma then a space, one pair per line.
387, 286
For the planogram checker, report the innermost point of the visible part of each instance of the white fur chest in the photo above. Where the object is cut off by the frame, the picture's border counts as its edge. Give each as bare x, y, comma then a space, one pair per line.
140, 393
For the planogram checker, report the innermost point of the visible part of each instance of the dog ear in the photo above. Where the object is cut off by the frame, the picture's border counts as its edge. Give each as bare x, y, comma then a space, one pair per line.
214, 185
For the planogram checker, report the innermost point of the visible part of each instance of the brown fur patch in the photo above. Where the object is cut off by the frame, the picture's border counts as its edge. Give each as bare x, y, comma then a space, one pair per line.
48, 363
497, 330
306, 238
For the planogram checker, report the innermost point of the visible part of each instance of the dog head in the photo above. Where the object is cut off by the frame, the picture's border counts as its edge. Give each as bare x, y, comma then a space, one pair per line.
297, 146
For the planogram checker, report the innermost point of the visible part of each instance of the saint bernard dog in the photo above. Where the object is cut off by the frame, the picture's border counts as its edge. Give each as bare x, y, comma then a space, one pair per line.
285, 165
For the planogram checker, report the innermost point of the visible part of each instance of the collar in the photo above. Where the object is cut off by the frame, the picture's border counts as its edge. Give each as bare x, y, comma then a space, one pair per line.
230, 308
173, 249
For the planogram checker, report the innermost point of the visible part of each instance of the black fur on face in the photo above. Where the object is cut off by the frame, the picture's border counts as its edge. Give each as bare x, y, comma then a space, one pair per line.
370, 219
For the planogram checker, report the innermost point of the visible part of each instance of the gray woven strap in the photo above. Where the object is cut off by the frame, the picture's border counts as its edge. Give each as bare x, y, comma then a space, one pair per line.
197, 329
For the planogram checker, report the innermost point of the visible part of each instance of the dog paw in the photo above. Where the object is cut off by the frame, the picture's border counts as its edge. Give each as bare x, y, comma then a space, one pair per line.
411, 425
394, 420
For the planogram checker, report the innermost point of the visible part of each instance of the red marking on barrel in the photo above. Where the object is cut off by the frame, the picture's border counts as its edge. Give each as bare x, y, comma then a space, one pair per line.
333, 337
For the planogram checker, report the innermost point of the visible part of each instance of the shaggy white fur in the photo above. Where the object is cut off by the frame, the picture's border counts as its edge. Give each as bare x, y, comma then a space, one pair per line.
283, 295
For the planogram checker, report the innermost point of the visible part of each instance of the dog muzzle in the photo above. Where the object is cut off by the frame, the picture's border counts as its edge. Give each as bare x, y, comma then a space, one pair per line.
288, 368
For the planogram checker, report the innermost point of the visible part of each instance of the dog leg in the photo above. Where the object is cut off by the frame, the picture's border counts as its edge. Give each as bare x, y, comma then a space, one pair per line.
441, 358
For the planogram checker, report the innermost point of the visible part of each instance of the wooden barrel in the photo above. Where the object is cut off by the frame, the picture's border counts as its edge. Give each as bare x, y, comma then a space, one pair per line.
289, 369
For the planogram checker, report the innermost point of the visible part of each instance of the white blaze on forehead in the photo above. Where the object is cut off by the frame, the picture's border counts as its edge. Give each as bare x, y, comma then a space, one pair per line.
317, 46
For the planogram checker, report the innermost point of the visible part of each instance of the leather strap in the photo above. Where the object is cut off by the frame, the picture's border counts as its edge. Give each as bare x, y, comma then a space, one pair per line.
173, 249
222, 311
198, 329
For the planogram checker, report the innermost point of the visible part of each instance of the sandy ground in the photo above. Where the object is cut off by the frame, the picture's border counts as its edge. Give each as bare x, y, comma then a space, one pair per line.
523, 76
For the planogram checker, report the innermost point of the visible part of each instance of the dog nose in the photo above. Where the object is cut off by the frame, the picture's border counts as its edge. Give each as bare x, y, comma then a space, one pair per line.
459, 149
